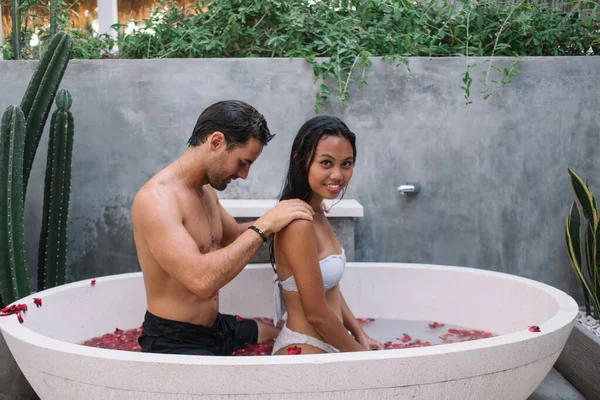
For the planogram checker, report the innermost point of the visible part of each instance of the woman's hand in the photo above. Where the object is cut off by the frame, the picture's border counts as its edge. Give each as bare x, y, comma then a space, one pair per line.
369, 343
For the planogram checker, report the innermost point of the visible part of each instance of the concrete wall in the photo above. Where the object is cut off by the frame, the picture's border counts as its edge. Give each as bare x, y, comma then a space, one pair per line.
494, 174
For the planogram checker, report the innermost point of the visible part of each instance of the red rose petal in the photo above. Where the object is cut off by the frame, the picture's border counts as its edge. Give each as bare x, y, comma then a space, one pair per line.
14, 309
127, 340
19, 317
239, 319
37, 301
534, 328
364, 321
93, 282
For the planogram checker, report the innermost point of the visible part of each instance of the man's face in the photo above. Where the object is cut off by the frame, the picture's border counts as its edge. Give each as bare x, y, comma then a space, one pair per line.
233, 163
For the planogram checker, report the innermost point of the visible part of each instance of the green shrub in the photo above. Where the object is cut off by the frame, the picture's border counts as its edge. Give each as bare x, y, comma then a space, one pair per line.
342, 35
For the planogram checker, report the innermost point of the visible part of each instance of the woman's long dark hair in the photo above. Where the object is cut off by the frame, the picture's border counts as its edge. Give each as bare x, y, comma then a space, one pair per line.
296, 184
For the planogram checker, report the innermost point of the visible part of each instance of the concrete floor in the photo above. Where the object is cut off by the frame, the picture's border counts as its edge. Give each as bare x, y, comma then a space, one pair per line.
555, 387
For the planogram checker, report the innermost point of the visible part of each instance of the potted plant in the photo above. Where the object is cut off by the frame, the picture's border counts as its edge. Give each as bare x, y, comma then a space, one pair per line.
580, 359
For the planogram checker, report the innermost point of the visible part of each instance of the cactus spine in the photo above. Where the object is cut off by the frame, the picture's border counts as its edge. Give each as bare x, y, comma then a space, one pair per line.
14, 281
15, 15
39, 95
52, 251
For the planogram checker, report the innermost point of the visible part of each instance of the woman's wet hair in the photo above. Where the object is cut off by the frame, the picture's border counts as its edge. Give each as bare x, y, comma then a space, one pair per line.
236, 120
296, 184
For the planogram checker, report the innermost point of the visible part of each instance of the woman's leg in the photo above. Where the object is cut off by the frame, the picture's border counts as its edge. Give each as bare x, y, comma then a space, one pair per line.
304, 349
289, 339
266, 333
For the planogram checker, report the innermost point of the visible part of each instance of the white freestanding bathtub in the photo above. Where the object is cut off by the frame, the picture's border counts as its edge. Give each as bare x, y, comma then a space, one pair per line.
507, 366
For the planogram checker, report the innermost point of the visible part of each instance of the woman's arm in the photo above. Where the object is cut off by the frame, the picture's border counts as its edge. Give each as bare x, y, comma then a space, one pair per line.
353, 326
297, 242
349, 320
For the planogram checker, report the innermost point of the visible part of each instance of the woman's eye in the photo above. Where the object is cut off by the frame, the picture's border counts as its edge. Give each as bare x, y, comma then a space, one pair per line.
348, 164
326, 163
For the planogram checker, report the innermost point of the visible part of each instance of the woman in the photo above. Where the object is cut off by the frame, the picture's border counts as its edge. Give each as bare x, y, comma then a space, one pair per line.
309, 258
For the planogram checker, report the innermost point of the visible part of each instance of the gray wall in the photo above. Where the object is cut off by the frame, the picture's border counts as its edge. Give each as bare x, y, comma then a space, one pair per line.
494, 174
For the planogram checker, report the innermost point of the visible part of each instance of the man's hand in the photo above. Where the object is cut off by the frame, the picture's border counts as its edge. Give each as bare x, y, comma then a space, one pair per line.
282, 214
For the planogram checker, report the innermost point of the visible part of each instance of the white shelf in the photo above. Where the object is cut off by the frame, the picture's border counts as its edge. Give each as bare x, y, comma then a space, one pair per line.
246, 208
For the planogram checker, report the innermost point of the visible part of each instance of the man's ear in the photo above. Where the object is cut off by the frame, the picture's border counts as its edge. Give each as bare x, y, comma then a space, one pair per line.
216, 140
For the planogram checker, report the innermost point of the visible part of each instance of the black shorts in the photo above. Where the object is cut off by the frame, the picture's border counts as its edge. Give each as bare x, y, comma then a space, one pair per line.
226, 334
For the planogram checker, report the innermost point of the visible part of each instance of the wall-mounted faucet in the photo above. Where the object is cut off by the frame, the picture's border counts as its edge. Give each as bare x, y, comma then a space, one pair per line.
410, 188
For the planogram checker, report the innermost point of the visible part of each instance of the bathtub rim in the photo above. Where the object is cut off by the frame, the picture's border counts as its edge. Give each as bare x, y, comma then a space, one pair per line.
564, 318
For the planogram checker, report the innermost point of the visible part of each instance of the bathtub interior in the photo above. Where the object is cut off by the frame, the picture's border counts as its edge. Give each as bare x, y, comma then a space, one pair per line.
497, 303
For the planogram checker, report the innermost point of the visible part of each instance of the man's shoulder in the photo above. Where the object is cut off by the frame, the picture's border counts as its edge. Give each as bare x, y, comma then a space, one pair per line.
152, 196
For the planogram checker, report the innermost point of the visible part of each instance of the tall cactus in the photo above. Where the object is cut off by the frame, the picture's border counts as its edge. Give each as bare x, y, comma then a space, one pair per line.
15, 15
53, 9
52, 252
39, 95
14, 281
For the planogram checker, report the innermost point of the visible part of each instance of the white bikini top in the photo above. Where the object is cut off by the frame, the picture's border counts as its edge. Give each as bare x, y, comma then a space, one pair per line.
332, 269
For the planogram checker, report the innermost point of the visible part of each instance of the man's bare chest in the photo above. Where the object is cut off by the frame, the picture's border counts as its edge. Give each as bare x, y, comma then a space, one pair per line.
205, 228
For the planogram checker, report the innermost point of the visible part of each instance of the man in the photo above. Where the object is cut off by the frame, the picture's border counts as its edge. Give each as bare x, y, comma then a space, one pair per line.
189, 247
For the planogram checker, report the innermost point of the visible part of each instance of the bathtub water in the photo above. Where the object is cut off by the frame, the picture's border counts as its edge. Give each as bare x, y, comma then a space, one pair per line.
509, 365
408, 332
392, 333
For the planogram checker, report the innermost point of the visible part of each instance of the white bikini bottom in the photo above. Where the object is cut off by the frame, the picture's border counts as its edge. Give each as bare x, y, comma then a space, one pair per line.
288, 337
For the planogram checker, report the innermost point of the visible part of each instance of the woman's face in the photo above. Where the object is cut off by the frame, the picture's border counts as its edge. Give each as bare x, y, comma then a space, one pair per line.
332, 166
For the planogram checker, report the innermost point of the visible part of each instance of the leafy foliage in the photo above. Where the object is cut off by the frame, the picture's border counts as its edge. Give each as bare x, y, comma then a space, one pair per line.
590, 244
338, 37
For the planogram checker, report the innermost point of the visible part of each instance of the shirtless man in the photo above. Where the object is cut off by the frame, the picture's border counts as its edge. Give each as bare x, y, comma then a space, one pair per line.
189, 247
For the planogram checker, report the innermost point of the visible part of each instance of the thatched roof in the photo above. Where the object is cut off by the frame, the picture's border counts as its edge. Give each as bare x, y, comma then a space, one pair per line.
128, 10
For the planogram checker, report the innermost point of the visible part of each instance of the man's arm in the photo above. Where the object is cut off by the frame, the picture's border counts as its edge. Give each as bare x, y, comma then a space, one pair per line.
231, 229
160, 225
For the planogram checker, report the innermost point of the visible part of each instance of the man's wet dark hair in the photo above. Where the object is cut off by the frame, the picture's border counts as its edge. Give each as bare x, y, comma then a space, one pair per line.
236, 120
